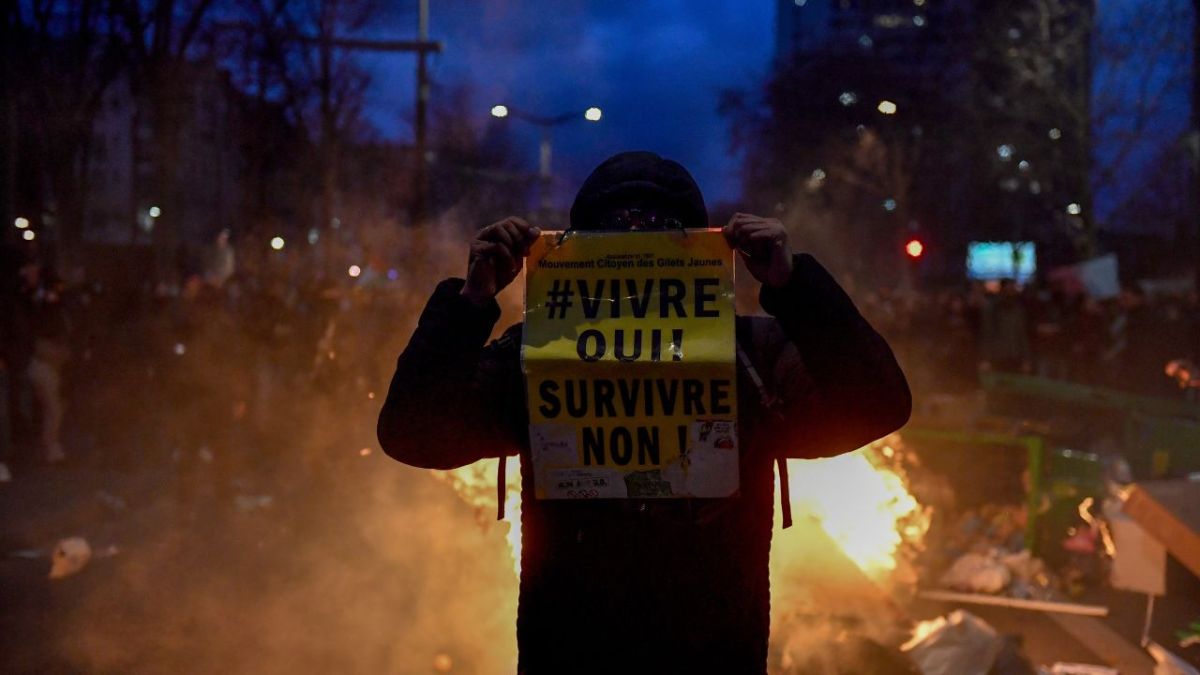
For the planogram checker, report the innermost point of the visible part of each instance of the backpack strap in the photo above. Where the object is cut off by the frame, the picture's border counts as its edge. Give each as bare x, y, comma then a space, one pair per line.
771, 403
501, 486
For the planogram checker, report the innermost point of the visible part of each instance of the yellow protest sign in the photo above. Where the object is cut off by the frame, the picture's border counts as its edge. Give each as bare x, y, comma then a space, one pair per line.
628, 352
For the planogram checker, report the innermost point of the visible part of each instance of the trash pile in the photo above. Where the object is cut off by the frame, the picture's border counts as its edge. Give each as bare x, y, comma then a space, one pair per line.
984, 550
961, 643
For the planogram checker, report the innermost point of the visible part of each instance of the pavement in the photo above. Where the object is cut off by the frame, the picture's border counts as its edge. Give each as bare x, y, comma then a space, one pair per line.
354, 564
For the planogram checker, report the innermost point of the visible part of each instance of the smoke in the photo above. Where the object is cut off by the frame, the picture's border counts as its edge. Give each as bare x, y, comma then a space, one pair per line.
359, 564
352, 563
379, 581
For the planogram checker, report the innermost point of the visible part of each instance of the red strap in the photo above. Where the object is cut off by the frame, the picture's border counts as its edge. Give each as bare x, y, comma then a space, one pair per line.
501, 487
785, 495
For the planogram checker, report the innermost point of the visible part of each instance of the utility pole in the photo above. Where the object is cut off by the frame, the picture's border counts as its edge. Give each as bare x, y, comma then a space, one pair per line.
545, 149
325, 43
420, 205
422, 47
1195, 137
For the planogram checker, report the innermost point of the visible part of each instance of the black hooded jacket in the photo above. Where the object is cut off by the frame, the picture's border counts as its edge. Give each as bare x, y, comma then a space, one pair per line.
663, 586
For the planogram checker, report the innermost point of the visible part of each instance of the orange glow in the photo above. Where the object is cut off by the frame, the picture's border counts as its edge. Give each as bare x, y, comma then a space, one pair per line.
476, 485
914, 248
861, 502
863, 505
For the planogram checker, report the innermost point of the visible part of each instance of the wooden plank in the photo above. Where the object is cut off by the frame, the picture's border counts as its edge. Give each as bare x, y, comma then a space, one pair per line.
1014, 603
1170, 512
1116, 651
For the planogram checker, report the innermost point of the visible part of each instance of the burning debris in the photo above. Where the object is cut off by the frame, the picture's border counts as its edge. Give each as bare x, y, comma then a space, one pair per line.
862, 501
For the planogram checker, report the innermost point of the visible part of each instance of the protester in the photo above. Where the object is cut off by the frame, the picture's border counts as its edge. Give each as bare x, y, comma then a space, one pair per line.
220, 263
1004, 331
42, 297
659, 585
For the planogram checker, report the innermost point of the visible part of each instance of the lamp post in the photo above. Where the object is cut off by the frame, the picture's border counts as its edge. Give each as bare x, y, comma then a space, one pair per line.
545, 152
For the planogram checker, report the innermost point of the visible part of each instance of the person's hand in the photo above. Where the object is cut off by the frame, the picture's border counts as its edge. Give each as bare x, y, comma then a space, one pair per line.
764, 247
496, 256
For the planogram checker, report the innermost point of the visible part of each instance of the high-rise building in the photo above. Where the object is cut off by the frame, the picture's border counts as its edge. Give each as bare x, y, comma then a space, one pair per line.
1009, 99
918, 33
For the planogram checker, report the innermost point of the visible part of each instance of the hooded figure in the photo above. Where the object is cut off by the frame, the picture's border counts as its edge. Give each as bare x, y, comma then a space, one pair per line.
629, 585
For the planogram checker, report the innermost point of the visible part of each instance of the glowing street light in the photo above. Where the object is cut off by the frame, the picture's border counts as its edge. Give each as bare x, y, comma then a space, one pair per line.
354, 271
21, 223
887, 107
277, 243
1074, 208
914, 248
155, 212
545, 124
28, 235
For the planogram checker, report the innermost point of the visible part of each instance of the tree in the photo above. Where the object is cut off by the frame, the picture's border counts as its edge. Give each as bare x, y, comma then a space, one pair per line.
60, 57
1195, 135
158, 39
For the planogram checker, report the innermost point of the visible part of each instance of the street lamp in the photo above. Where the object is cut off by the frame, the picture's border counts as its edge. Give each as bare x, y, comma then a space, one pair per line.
545, 124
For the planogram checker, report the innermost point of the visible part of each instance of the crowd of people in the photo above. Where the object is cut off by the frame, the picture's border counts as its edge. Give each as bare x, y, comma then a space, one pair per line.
208, 374
1135, 342
240, 347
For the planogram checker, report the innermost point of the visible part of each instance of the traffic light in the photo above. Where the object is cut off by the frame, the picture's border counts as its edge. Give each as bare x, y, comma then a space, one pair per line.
914, 248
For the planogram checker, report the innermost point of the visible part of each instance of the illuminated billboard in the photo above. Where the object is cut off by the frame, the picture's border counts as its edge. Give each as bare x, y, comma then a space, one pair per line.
989, 260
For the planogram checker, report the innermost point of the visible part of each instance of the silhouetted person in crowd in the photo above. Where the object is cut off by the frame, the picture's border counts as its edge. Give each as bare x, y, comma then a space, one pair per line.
1004, 331
43, 305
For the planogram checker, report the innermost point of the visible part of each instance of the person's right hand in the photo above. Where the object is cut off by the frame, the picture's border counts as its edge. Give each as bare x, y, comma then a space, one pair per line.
496, 256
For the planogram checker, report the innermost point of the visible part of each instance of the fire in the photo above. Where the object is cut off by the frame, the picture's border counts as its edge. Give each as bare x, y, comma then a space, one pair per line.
861, 501
476, 485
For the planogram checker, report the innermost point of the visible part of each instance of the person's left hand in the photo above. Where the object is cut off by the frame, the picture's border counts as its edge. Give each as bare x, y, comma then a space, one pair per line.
763, 244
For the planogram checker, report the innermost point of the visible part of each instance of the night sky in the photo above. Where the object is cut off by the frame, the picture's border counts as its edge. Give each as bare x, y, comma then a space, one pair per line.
656, 68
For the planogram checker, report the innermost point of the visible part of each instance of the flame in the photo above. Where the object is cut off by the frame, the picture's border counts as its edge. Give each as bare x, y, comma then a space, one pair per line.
861, 500
475, 484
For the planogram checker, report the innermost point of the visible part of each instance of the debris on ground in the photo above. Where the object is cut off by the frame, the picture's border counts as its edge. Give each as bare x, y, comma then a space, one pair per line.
959, 643
977, 572
247, 503
70, 556
1079, 669
111, 501
1167, 663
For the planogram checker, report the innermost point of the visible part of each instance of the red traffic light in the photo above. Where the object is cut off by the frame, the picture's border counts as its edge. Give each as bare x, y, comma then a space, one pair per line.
914, 248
